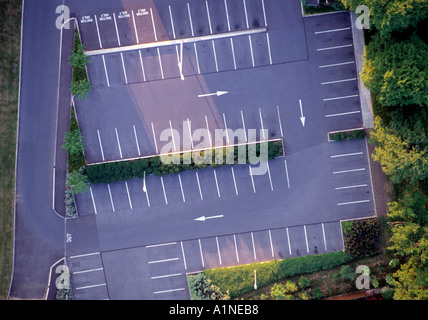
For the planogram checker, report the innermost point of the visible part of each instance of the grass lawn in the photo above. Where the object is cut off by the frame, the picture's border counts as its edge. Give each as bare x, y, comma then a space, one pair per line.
10, 34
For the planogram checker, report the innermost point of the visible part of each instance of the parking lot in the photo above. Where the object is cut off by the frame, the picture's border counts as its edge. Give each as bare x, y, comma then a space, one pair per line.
298, 67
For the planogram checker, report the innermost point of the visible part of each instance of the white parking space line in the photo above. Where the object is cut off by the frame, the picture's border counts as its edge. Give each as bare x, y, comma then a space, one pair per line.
252, 179
332, 30
202, 256
89, 270
142, 66
154, 138
254, 248
264, 12
271, 245
111, 198
233, 53
246, 14
84, 255
98, 31
135, 27
93, 201
146, 191
323, 235
167, 291
136, 140
352, 202
190, 18
105, 70
351, 187
197, 58
227, 16
279, 121
184, 257
216, 183
236, 248
181, 187
117, 31
118, 143
163, 260
336, 64
339, 81
208, 132
92, 286
124, 69
286, 173
234, 181
351, 170
215, 56
172, 135
129, 197
153, 24
166, 276
268, 43
288, 240
251, 50
172, 21
190, 133
346, 154
243, 125
164, 193
199, 186
306, 238
160, 63
161, 245
101, 146
261, 123
336, 47
209, 17
218, 250
225, 128
341, 114
270, 178
342, 97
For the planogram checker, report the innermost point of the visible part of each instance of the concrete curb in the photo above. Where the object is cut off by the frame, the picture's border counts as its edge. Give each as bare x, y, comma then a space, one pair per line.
365, 96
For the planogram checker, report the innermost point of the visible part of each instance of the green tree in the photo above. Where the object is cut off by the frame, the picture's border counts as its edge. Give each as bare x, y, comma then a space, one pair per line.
78, 182
397, 160
202, 288
392, 15
80, 88
396, 71
73, 143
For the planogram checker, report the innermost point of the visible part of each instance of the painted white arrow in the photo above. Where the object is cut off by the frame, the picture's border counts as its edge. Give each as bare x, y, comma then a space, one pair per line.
203, 218
302, 118
218, 93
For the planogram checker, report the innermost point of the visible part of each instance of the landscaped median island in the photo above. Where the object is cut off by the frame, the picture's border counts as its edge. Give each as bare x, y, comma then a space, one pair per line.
159, 165
342, 135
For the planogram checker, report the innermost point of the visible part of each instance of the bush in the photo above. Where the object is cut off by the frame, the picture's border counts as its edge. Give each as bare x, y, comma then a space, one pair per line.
74, 145
356, 134
363, 238
80, 85
202, 289
338, 136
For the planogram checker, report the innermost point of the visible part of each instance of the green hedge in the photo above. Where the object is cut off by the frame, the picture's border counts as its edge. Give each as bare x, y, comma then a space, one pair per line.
348, 135
240, 279
125, 170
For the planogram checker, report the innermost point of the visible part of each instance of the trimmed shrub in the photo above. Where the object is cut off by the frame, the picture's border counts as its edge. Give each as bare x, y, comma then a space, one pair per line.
125, 170
338, 136
356, 134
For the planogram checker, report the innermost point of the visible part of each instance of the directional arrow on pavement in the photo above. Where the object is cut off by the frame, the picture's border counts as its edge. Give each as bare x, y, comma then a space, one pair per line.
203, 218
218, 93
302, 118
